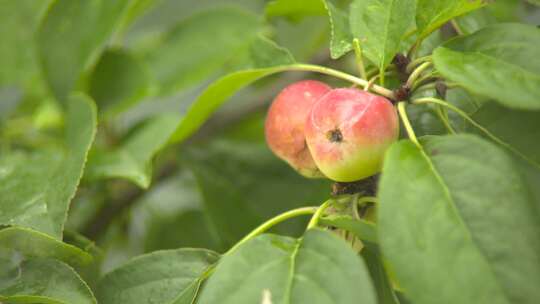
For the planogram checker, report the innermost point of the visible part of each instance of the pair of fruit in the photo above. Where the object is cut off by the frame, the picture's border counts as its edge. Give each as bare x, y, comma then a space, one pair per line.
339, 133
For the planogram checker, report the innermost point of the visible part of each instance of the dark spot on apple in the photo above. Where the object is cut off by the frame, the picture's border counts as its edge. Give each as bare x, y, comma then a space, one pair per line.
334, 135
434, 152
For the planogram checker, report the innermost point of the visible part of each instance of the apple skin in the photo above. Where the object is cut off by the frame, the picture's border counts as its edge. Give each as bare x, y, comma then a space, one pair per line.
284, 125
348, 131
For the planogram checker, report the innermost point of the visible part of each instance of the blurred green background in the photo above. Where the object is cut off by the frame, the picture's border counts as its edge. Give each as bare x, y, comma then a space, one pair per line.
139, 193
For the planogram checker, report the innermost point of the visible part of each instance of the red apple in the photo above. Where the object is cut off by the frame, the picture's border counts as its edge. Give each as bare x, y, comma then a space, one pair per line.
348, 132
284, 126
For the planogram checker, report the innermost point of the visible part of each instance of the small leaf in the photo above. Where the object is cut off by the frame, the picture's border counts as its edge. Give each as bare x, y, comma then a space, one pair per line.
500, 61
45, 281
457, 214
319, 268
33, 244
362, 229
169, 276
200, 46
70, 35
132, 160
432, 14
340, 33
118, 81
36, 188
380, 25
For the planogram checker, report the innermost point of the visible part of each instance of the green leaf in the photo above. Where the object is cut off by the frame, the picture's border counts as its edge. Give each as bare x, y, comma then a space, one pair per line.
36, 188
380, 25
514, 127
499, 61
17, 51
340, 33
45, 281
200, 46
118, 81
457, 214
172, 205
264, 52
361, 228
169, 276
33, 244
319, 268
379, 276
132, 160
295, 8
265, 58
475, 20
244, 183
70, 36
432, 14
216, 94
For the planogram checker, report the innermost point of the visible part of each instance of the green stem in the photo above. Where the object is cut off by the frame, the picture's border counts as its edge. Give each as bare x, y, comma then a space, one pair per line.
422, 79
413, 64
443, 115
414, 48
381, 77
432, 85
315, 218
274, 221
372, 80
354, 207
359, 59
456, 27
407, 123
416, 73
338, 74
367, 199
432, 100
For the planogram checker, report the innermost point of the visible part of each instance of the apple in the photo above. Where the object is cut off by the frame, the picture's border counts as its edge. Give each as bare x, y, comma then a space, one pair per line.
348, 131
284, 125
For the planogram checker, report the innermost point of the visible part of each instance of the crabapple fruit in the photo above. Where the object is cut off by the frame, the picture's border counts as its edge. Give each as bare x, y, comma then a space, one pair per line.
284, 126
348, 131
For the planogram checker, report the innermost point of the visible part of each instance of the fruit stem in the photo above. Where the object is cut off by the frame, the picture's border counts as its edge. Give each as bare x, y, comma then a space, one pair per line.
423, 78
367, 199
443, 115
359, 59
416, 74
407, 123
274, 221
416, 62
431, 86
456, 27
315, 218
338, 74
433, 100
